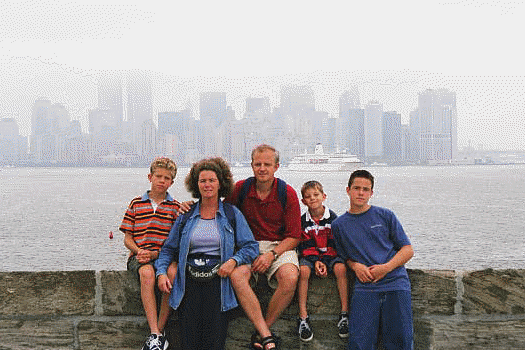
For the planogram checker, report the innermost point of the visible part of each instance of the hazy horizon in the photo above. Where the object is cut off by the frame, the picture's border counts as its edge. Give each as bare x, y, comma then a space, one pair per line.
390, 52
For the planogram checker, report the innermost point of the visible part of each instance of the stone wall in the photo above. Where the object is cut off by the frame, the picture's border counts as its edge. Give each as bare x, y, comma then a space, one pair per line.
102, 310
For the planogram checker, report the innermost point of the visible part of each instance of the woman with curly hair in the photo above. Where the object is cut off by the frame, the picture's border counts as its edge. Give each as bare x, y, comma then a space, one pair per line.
207, 244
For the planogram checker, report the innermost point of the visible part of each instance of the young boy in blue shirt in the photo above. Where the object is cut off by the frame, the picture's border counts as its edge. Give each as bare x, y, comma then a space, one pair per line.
317, 252
374, 245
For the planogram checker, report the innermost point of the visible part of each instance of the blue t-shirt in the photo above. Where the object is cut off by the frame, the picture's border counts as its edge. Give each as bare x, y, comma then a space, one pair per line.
372, 238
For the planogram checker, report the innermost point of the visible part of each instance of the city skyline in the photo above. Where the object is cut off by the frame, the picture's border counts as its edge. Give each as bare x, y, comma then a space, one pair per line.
469, 47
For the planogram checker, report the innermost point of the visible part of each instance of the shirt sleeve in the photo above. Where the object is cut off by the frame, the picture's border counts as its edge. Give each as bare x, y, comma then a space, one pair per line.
128, 222
292, 215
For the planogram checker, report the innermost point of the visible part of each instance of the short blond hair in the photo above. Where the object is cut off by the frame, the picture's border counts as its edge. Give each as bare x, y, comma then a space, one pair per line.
265, 147
316, 185
164, 163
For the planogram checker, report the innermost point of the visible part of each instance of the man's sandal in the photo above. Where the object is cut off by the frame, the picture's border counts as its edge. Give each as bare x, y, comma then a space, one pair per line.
256, 342
269, 340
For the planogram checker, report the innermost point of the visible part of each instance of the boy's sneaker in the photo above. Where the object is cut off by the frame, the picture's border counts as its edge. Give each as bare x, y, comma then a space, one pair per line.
342, 325
155, 342
305, 330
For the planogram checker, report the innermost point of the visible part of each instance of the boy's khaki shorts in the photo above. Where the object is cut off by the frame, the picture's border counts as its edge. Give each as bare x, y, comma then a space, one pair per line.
288, 257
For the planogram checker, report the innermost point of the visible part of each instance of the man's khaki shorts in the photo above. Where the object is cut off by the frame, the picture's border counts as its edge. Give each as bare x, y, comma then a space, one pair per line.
288, 257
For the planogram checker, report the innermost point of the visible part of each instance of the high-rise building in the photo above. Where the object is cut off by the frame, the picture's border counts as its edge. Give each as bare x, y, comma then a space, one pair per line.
392, 136
255, 105
351, 124
139, 107
13, 147
212, 107
373, 130
437, 124
110, 95
297, 101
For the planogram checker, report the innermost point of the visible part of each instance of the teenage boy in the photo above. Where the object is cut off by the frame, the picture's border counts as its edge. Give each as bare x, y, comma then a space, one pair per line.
146, 225
374, 245
317, 252
277, 227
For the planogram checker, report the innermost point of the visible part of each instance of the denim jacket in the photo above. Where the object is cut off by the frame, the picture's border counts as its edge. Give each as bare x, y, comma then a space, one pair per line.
248, 250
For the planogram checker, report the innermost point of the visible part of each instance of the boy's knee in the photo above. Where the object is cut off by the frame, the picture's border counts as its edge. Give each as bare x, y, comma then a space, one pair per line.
146, 274
305, 272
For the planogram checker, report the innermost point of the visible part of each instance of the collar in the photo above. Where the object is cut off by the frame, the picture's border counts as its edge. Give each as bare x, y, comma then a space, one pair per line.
196, 212
145, 196
326, 214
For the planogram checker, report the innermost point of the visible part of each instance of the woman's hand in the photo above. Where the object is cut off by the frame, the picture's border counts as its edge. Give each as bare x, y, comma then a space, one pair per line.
185, 207
227, 268
164, 284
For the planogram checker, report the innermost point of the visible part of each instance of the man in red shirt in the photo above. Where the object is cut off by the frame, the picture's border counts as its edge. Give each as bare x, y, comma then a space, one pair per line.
278, 230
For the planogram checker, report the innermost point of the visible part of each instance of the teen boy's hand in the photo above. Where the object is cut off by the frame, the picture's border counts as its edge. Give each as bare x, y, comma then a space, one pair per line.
320, 269
362, 272
378, 271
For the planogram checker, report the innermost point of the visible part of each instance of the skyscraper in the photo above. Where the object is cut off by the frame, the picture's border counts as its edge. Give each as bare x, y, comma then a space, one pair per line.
373, 130
437, 124
212, 107
392, 136
351, 124
139, 107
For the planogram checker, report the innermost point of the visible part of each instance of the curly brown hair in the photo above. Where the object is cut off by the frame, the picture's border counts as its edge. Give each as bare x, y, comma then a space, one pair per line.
219, 167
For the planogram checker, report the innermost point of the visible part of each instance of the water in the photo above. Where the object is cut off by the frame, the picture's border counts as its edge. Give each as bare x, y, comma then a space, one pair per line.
465, 218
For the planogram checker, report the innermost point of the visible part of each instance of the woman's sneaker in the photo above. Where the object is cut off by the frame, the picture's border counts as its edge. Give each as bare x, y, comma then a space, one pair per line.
342, 325
305, 330
155, 342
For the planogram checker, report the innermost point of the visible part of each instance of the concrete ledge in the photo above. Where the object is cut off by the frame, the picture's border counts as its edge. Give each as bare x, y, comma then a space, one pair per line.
92, 310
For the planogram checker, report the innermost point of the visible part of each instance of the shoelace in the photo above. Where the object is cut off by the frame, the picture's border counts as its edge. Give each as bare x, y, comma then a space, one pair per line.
154, 343
303, 326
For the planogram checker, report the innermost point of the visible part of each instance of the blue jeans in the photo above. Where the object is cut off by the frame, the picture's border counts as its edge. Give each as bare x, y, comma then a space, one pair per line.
384, 317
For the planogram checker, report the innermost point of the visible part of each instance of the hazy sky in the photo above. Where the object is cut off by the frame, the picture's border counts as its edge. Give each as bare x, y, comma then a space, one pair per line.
390, 49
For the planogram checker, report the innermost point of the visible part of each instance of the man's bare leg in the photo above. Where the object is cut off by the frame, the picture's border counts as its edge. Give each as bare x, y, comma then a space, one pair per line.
287, 276
240, 278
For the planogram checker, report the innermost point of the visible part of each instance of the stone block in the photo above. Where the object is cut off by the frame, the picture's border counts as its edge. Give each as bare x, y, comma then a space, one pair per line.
36, 334
323, 296
112, 334
120, 294
494, 292
469, 334
433, 292
47, 293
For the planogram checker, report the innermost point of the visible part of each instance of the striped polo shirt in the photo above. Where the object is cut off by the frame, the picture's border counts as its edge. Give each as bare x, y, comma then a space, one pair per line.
149, 227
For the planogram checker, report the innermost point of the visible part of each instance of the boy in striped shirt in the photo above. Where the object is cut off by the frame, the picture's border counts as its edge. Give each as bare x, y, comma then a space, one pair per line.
146, 225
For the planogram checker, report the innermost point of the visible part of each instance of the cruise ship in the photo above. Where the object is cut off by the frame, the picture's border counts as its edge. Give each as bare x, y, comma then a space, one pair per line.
320, 161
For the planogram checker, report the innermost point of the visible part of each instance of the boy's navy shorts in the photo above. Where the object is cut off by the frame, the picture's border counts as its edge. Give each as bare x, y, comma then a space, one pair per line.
385, 316
310, 262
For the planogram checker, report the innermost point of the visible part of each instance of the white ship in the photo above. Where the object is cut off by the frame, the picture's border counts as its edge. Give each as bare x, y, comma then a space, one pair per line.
319, 161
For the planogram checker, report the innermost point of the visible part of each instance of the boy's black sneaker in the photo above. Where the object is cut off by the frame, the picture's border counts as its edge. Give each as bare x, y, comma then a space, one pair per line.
342, 325
304, 329
155, 342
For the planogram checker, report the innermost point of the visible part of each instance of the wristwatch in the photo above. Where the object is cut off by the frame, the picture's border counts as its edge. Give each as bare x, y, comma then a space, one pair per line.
275, 255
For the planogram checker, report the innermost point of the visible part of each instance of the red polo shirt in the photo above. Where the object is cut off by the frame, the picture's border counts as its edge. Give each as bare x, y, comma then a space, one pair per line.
266, 217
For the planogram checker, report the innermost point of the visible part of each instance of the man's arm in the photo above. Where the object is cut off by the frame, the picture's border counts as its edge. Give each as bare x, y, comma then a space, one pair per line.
401, 258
